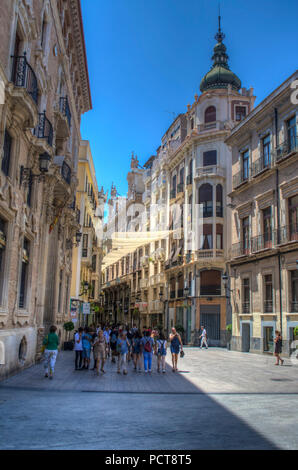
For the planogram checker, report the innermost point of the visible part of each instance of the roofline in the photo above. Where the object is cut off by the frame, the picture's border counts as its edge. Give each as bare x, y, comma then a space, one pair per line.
179, 115
263, 103
85, 52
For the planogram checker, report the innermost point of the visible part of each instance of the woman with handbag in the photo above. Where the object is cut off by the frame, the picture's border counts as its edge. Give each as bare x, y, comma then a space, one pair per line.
50, 345
176, 344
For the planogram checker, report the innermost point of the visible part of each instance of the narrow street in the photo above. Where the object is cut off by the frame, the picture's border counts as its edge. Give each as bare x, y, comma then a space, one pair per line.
219, 399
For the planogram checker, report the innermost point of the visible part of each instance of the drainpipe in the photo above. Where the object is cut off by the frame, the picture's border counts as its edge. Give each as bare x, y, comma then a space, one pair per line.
278, 220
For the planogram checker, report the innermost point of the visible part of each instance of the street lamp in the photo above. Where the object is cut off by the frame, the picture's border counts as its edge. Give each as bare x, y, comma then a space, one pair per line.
70, 243
27, 175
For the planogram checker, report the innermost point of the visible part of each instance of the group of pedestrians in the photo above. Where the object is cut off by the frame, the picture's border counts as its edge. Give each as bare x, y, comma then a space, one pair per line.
123, 344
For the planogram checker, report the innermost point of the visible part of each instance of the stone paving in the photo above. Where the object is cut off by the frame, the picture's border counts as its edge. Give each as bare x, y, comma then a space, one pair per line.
219, 399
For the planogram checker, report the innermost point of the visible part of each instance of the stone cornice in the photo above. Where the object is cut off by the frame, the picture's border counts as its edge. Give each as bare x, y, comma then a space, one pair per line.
76, 15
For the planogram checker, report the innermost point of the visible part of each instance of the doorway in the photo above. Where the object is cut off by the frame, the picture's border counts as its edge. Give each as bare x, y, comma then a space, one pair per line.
268, 339
245, 337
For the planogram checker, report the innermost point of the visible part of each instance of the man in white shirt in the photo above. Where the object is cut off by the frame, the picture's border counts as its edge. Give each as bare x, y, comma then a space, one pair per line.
78, 347
204, 337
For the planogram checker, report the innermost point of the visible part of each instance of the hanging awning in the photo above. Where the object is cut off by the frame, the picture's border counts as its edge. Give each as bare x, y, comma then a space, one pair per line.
124, 243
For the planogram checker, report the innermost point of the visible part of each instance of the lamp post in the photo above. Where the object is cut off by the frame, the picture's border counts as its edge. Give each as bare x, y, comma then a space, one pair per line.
226, 282
26, 173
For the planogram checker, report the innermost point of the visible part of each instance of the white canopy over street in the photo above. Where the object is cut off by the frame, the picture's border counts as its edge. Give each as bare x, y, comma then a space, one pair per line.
124, 243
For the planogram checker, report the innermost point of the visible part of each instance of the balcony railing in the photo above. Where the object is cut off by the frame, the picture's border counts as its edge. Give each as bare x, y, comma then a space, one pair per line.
240, 178
172, 294
263, 242
44, 130
246, 307
210, 170
210, 290
286, 148
64, 109
23, 76
66, 172
268, 306
215, 125
287, 233
294, 306
260, 165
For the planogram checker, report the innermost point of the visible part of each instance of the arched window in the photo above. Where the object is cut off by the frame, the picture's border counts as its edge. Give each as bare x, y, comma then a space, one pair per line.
205, 198
219, 207
210, 114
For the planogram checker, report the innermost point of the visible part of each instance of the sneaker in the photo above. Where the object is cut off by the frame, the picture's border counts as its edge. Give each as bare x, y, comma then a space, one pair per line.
149, 371
125, 372
46, 376
145, 371
163, 371
118, 372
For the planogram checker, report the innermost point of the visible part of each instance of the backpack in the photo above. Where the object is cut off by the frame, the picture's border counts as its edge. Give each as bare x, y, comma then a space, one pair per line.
113, 338
148, 347
161, 349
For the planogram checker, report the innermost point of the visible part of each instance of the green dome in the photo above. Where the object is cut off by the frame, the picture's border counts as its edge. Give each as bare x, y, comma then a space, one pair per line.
220, 75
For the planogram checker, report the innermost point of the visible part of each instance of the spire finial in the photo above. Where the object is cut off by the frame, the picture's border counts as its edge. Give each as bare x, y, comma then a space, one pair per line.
219, 35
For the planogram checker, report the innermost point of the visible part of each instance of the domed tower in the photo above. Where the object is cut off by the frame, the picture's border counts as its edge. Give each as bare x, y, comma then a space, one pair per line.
220, 75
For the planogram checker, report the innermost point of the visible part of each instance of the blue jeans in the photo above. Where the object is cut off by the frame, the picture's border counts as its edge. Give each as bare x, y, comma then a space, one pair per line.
147, 360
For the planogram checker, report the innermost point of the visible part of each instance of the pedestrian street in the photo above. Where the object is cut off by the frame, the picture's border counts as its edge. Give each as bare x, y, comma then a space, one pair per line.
218, 399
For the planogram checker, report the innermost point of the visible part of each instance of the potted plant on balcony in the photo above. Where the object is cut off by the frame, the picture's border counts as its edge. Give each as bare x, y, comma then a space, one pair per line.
68, 327
229, 335
295, 333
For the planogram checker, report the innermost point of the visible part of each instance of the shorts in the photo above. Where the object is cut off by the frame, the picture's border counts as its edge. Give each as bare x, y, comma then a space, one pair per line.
86, 353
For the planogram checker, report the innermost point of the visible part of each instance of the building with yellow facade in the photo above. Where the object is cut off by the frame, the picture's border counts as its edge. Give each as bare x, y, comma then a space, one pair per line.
87, 252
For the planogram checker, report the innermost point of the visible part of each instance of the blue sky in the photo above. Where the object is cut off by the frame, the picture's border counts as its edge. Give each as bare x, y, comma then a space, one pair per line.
146, 59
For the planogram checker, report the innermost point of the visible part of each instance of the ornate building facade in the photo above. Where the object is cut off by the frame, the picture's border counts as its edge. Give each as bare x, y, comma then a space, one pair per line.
87, 252
177, 277
264, 255
44, 75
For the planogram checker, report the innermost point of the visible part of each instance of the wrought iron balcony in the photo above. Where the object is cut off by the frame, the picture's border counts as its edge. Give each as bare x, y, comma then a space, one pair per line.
260, 165
44, 130
64, 109
66, 172
211, 290
287, 233
284, 149
240, 178
23, 76
263, 242
268, 306
246, 306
